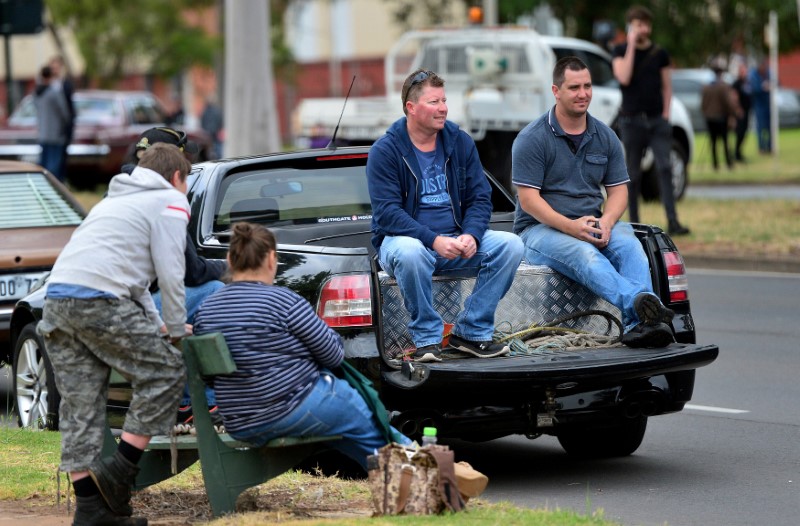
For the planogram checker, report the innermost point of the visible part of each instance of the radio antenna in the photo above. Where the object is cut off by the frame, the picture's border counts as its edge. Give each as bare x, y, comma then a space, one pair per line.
332, 144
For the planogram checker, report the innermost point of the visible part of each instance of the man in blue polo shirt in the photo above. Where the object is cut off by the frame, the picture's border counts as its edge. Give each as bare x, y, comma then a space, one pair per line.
560, 164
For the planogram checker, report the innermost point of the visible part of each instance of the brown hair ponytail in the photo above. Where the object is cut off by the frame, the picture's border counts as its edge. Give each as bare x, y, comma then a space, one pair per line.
250, 245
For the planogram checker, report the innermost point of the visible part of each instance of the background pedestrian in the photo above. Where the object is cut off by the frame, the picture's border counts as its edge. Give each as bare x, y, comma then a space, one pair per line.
52, 118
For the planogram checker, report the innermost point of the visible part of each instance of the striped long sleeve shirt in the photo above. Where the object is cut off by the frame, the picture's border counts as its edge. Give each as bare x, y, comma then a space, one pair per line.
279, 345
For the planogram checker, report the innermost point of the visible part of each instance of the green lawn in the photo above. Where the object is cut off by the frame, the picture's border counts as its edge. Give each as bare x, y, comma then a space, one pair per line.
30, 459
759, 169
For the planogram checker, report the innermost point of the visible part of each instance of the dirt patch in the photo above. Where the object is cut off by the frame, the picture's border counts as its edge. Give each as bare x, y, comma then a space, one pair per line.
280, 500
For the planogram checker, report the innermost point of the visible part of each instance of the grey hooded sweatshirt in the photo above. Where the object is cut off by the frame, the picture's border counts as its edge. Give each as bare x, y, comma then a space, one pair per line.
136, 234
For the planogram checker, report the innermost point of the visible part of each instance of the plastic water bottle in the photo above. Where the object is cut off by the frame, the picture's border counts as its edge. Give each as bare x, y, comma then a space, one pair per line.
428, 436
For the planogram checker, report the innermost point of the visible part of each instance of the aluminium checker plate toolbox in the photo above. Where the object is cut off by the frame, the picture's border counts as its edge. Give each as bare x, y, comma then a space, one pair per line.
538, 296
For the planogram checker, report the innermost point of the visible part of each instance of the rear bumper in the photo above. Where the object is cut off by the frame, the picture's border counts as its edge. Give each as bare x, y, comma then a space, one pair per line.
502, 378
535, 411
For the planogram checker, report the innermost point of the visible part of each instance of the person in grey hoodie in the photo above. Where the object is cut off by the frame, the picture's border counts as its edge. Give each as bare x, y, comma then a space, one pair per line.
99, 315
52, 117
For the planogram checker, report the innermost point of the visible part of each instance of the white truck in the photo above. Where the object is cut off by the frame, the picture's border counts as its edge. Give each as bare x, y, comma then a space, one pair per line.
497, 81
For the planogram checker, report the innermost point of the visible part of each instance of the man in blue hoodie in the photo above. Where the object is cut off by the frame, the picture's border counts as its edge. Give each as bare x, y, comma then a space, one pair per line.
431, 205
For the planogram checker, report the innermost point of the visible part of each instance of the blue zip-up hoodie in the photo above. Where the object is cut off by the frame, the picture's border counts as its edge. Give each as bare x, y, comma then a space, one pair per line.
393, 177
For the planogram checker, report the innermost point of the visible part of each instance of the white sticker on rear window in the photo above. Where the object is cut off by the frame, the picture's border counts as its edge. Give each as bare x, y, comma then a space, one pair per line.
343, 218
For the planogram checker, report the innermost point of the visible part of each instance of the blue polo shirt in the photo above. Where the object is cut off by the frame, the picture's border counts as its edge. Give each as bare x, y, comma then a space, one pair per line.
571, 182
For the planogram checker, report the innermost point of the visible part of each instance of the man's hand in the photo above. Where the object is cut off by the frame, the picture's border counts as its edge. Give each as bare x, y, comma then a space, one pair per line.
470, 246
592, 230
448, 247
633, 35
175, 340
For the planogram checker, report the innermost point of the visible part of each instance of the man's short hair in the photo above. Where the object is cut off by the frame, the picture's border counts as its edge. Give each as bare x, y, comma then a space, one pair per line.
414, 83
566, 63
164, 159
639, 12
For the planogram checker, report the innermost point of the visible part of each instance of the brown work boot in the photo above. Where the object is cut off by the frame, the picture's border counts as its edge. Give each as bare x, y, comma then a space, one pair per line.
93, 511
114, 477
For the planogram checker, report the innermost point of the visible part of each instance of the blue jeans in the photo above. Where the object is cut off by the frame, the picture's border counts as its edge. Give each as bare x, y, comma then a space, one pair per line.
763, 127
332, 407
413, 266
52, 158
616, 273
194, 298
637, 134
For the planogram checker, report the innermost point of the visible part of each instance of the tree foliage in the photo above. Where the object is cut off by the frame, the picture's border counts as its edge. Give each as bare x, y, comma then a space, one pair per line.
115, 36
434, 12
691, 30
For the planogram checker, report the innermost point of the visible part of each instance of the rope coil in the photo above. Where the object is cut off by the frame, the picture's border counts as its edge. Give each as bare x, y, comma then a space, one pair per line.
537, 339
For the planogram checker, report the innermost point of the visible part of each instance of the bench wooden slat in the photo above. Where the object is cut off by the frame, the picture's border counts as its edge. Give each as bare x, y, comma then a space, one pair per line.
190, 441
213, 355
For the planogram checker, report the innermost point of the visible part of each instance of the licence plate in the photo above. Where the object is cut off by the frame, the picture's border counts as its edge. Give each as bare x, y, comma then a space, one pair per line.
16, 286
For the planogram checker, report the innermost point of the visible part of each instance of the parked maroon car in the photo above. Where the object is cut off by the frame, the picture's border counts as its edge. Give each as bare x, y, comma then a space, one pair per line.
107, 123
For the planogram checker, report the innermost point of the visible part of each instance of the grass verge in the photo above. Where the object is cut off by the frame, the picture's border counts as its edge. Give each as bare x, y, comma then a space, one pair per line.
30, 459
757, 228
759, 169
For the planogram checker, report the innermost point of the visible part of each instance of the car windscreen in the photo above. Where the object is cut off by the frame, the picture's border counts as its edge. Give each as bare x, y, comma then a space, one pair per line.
285, 196
96, 111
29, 200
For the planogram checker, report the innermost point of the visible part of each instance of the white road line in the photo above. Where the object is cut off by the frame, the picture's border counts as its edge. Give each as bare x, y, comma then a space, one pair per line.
715, 409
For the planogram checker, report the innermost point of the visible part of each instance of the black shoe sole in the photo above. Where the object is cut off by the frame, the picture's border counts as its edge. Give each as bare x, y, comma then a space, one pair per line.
476, 352
650, 310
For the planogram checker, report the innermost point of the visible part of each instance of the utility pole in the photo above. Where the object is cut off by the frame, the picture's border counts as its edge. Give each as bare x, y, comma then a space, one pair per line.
251, 119
490, 12
771, 34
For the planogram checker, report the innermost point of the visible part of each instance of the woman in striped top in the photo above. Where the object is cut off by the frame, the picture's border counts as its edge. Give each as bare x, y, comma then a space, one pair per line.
283, 352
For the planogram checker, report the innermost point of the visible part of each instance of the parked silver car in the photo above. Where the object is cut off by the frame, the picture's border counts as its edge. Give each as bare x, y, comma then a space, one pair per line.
687, 86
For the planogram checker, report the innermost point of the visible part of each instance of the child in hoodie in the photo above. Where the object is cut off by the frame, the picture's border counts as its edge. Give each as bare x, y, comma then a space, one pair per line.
99, 315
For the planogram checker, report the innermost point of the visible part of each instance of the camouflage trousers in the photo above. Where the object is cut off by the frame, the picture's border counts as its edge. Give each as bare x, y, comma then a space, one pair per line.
85, 339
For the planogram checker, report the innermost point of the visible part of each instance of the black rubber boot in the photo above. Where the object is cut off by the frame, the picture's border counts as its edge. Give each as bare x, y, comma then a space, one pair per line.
114, 477
93, 511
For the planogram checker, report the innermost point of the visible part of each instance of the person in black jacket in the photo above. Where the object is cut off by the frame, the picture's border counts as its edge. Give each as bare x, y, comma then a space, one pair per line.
203, 276
65, 85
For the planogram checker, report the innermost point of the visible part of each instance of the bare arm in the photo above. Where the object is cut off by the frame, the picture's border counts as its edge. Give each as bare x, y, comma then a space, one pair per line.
616, 203
623, 66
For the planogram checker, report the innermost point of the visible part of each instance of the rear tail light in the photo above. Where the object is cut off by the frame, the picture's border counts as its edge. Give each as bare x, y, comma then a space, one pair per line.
676, 273
346, 301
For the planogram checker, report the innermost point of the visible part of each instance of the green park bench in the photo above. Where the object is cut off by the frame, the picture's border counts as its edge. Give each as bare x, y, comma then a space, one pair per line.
229, 467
